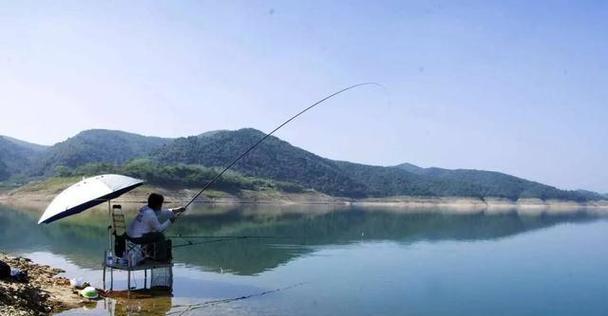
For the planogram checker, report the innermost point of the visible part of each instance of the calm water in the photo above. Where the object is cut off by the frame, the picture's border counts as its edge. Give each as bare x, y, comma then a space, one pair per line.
348, 262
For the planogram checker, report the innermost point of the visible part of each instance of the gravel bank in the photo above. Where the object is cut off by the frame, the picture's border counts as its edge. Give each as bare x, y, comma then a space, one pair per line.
44, 293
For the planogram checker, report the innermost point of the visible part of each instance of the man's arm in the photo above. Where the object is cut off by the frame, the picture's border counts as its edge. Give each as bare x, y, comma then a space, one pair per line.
152, 221
167, 213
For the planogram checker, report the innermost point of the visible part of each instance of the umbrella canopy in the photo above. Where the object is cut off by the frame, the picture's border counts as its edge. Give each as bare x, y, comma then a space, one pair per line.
86, 194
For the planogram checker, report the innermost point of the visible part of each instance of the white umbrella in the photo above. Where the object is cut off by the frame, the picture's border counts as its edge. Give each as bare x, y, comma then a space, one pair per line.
86, 194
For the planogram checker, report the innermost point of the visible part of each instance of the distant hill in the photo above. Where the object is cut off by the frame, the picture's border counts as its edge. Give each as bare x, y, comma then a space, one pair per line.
186, 160
278, 160
28, 146
274, 159
16, 156
114, 147
490, 183
410, 167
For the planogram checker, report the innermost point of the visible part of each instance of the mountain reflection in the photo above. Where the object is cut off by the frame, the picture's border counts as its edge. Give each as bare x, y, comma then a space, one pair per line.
298, 231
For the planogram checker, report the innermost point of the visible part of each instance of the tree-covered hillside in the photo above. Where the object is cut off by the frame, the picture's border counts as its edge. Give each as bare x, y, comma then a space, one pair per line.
278, 160
274, 159
94, 146
489, 183
17, 156
192, 161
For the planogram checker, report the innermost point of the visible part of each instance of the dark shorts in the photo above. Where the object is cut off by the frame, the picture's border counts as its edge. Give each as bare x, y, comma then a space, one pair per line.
159, 247
149, 238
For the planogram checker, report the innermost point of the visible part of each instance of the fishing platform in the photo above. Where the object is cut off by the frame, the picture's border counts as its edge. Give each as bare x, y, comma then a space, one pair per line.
133, 257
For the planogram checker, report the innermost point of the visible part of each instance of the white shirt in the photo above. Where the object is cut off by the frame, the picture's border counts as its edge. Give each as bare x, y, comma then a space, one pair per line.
147, 221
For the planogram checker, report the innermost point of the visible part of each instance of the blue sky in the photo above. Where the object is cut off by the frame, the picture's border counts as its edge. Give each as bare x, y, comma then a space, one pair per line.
511, 86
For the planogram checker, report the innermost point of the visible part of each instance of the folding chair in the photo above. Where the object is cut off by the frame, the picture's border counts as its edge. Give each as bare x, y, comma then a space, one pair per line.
122, 242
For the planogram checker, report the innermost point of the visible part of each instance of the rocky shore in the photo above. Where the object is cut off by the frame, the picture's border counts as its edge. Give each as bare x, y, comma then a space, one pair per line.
44, 292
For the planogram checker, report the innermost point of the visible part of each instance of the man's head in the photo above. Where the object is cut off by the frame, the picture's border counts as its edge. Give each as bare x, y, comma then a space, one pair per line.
155, 201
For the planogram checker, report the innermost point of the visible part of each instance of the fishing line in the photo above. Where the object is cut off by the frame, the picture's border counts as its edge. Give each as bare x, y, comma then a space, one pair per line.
210, 182
190, 243
191, 307
214, 239
225, 236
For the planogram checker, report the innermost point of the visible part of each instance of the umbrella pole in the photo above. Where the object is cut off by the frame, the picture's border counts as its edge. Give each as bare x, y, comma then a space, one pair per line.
110, 228
105, 259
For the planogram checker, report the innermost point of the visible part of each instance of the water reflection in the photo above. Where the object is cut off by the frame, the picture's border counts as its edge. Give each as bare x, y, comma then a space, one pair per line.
82, 238
160, 305
150, 304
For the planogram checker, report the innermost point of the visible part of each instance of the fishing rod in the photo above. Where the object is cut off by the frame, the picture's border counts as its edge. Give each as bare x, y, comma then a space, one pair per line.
210, 182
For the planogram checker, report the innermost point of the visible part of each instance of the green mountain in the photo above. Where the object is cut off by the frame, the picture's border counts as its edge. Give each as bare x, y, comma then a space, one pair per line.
17, 156
191, 161
278, 160
490, 183
410, 167
28, 146
274, 159
95, 146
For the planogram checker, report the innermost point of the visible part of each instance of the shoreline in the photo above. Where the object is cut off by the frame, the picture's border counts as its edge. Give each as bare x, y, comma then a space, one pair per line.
40, 194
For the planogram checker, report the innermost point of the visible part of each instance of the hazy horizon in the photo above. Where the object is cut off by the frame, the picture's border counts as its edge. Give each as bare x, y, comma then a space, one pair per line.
514, 87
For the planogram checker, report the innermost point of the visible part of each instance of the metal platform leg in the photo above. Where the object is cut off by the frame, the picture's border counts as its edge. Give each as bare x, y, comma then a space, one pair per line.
129, 283
145, 278
104, 277
111, 279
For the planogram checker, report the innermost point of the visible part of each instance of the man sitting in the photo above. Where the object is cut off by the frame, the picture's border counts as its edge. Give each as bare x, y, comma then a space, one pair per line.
146, 227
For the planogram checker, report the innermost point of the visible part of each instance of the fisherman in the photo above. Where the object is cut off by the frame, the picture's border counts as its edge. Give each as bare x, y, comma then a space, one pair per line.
146, 227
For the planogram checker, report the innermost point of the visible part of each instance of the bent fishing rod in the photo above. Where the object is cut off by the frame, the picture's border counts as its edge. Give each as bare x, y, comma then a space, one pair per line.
210, 182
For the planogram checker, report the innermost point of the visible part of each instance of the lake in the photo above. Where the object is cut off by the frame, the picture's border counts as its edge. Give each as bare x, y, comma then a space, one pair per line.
346, 261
